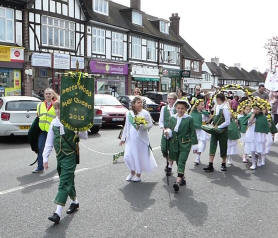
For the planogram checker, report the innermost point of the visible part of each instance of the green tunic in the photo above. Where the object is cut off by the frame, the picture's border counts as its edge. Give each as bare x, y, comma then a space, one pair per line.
233, 131
164, 142
66, 164
243, 123
273, 128
261, 125
197, 119
181, 141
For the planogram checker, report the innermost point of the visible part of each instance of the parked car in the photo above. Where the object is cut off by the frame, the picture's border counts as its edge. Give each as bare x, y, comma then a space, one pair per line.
152, 107
158, 97
17, 114
113, 112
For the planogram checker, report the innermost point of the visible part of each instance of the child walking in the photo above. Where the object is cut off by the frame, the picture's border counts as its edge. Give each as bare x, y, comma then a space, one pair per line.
164, 120
64, 142
138, 155
182, 136
199, 117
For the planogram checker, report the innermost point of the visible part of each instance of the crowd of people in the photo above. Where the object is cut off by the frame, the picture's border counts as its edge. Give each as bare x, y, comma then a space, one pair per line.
188, 123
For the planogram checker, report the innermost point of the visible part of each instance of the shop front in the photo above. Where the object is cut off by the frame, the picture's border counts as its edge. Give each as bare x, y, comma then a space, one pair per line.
48, 69
145, 77
11, 66
111, 77
170, 80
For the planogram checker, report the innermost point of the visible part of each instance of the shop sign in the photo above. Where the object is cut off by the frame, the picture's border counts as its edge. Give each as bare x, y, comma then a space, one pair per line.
144, 71
171, 73
11, 54
108, 68
41, 60
191, 81
185, 73
61, 61
80, 60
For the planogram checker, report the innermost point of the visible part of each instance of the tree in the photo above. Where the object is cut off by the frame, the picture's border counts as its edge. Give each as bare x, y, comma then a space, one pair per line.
272, 51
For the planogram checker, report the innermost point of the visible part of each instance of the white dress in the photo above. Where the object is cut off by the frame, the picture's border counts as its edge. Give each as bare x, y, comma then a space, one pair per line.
232, 147
254, 141
268, 143
202, 137
138, 155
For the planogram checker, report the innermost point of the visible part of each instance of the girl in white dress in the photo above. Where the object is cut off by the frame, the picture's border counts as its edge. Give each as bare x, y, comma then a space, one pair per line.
138, 155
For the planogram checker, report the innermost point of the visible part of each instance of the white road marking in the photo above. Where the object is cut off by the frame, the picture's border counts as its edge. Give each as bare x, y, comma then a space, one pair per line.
37, 183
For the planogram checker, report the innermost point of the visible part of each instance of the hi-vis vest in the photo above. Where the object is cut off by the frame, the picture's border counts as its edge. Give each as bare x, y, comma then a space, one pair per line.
45, 116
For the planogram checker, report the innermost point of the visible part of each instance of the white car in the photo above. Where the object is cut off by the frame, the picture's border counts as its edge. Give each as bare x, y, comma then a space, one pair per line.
17, 114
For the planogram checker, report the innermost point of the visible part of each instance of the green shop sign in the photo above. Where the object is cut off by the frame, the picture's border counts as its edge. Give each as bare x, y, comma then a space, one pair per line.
77, 101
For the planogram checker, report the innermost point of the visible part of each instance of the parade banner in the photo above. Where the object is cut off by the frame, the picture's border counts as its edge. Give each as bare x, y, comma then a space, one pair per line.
77, 101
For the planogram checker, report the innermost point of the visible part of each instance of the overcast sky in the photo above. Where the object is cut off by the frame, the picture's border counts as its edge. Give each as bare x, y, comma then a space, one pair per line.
233, 30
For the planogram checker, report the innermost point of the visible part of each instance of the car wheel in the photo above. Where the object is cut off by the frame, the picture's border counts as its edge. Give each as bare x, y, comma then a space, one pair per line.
95, 129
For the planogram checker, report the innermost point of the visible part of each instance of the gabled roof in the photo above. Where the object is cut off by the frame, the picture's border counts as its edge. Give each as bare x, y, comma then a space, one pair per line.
118, 16
188, 52
257, 76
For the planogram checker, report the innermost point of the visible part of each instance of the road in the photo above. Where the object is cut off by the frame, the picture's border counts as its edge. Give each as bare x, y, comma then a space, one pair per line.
238, 203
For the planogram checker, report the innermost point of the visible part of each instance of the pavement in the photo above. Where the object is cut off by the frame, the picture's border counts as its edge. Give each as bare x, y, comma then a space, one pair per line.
235, 204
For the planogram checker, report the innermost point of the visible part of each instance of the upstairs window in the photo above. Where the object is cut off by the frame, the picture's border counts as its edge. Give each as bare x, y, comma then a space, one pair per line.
136, 48
58, 33
171, 54
98, 41
6, 24
137, 18
196, 66
117, 44
151, 51
187, 64
101, 6
164, 27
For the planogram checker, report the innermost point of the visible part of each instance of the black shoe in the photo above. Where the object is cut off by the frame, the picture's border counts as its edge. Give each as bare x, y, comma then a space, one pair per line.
166, 169
55, 218
169, 172
223, 168
176, 187
183, 182
209, 169
73, 208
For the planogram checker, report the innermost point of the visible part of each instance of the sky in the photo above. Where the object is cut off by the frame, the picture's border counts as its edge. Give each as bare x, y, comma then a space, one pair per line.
233, 30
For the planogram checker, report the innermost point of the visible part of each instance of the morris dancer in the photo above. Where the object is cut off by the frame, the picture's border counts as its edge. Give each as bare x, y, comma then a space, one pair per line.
165, 115
221, 120
199, 117
182, 136
64, 141
138, 155
257, 131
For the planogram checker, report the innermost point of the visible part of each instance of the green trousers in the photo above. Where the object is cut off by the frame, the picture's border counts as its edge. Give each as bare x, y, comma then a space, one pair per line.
180, 156
66, 165
164, 146
223, 144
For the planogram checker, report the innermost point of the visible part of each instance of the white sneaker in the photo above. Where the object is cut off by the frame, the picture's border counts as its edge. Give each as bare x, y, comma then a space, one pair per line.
129, 177
244, 160
136, 179
253, 167
259, 163
197, 160
229, 161
263, 162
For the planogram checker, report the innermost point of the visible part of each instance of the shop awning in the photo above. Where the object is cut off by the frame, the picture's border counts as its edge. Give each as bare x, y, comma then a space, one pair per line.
147, 79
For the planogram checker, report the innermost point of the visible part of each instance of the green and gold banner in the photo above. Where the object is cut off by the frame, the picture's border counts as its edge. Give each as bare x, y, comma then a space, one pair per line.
77, 101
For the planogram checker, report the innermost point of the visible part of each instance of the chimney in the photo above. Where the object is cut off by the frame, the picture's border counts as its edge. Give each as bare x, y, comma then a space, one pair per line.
216, 61
135, 4
175, 23
238, 65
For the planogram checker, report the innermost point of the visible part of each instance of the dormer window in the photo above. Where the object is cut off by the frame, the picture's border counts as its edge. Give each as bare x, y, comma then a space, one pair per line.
101, 6
164, 27
137, 18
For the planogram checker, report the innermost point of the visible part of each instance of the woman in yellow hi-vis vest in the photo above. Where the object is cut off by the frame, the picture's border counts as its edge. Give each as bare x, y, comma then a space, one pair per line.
46, 114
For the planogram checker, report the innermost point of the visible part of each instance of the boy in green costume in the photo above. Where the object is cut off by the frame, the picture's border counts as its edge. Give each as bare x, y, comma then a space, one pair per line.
166, 113
64, 142
221, 120
182, 136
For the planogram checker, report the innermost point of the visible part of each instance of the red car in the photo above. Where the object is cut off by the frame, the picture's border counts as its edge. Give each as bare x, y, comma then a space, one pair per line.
113, 112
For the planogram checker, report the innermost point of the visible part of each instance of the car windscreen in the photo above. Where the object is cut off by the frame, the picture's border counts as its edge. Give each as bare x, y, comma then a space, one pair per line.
148, 101
21, 106
106, 101
1, 103
164, 97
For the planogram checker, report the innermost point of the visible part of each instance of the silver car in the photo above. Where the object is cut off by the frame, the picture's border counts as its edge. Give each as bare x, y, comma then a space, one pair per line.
17, 114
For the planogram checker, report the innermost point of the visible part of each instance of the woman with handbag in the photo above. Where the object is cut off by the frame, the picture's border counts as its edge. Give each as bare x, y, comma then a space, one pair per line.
221, 121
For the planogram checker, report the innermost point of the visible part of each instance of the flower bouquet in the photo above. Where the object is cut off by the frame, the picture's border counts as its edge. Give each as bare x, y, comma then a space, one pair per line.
140, 121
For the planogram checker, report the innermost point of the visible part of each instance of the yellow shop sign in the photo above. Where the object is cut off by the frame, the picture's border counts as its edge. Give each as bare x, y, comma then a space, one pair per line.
5, 53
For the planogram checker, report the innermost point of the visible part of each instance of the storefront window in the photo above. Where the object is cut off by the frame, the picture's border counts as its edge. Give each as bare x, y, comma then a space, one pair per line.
10, 82
145, 86
109, 84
